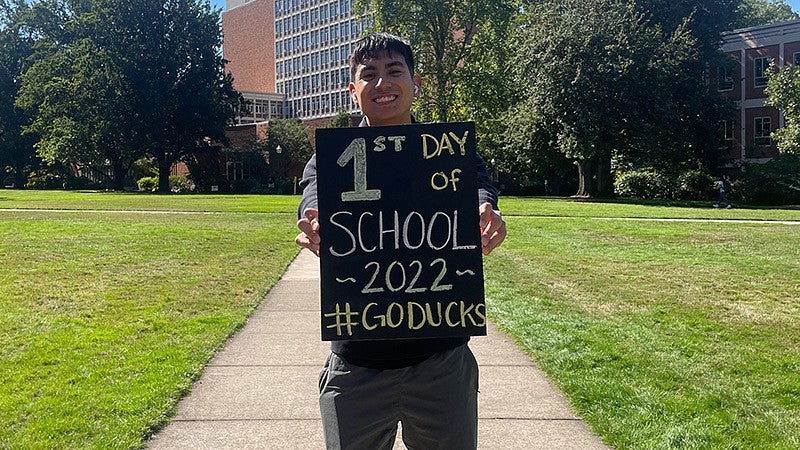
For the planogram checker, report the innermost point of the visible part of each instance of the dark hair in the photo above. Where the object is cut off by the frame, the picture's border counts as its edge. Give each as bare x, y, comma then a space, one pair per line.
376, 45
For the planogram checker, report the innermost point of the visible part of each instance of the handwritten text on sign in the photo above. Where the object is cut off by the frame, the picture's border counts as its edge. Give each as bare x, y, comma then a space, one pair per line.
400, 254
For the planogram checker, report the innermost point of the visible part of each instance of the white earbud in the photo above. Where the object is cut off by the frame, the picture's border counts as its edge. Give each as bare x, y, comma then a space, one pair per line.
416, 89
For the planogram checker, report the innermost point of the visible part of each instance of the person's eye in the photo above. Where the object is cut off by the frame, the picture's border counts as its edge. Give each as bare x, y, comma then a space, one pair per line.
367, 76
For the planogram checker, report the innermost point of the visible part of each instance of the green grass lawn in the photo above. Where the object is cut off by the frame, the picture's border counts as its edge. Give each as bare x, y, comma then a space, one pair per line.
662, 334
107, 318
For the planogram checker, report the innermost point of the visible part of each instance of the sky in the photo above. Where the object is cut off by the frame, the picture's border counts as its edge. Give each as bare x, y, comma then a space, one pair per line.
795, 4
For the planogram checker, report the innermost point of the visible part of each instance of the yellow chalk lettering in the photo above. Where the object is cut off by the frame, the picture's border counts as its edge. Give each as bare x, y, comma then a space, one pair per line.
429, 314
445, 144
447, 315
366, 325
436, 186
462, 143
425, 153
421, 323
399, 308
480, 311
454, 178
466, 313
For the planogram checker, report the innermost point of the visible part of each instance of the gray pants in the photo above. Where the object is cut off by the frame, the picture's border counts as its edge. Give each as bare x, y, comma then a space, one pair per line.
436, 401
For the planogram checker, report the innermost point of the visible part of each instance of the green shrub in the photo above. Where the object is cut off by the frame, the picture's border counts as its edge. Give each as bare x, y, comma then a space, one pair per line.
695, 185
646, 184
147, 184
44, 180
242, 186
73, 183
180, 185
776, 182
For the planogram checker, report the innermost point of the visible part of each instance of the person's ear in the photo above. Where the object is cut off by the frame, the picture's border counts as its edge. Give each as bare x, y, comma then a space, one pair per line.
417, 85
352, 89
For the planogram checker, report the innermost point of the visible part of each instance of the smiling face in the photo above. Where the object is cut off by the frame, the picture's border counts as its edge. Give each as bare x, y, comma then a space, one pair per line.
383, 88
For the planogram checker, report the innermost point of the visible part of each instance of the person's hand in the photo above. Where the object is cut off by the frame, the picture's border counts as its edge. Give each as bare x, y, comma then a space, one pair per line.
493, 228
309, 230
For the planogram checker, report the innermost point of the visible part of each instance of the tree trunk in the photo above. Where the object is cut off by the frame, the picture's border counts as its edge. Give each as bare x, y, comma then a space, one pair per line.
605, 186
164, 167
118, 183
20, 176
585, 182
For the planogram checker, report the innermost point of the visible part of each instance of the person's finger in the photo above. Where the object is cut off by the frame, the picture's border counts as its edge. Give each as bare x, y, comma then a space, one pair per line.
485, 210
311, 214
493, 233
310, 229
495, 239
303, 241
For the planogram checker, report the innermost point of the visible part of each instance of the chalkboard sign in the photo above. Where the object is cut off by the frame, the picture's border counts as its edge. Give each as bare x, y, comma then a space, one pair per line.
400, 249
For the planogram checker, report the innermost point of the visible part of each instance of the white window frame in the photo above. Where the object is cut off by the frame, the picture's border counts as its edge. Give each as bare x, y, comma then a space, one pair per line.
759, 125
760, 66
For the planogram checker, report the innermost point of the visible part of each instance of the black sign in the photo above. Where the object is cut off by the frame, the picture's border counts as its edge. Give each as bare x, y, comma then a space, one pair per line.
398, 211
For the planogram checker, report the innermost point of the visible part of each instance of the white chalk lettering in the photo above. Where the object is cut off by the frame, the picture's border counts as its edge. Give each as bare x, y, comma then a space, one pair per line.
357, 151
398, 142
347, 231
366, 234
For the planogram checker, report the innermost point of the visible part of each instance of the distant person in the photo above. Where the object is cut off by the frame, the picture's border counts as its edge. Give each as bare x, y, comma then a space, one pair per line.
724, 187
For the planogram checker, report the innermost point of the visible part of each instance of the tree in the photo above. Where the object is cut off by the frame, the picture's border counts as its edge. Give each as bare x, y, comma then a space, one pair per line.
696, 101
442, 33
170, 50
121, 79
292, 137
77, 100
340, 120
595, 80
783, 92
762, 12
17, 154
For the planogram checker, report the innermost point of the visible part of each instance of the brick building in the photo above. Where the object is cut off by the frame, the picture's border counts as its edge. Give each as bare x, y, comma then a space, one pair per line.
289, 57
753, 50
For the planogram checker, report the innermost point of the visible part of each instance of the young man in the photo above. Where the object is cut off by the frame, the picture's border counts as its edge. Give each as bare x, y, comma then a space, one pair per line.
430, 385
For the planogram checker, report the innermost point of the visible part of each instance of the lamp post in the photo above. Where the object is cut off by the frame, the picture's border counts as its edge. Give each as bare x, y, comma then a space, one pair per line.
278, 169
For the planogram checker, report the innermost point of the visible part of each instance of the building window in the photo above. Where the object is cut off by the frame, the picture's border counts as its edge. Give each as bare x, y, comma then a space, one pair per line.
725, 78
726, 130
762, 128
760, 67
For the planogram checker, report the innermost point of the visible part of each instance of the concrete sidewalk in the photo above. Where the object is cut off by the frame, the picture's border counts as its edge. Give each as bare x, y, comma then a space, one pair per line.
260, 391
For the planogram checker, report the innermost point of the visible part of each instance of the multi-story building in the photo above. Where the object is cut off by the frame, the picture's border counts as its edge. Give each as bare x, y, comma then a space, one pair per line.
249, 34
753, 50
313, 40
292, 52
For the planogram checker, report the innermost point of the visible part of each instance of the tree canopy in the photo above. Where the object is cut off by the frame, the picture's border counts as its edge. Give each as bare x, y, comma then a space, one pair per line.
598, 79
115, 80
292, 137
444, 34
783, 91
762, 12
17, 155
